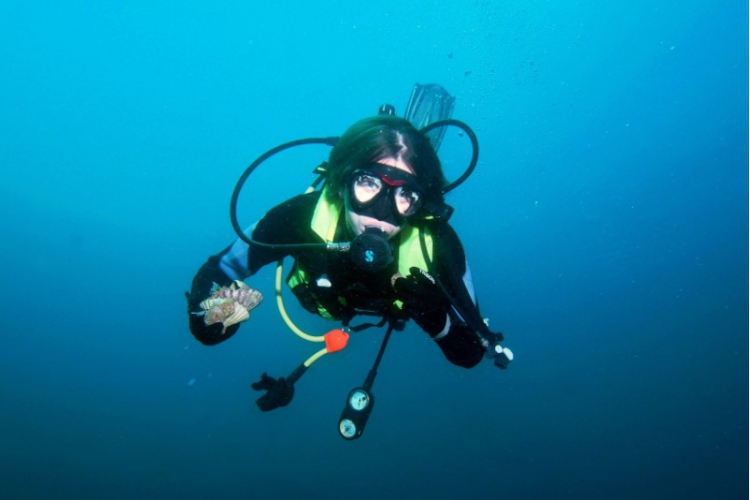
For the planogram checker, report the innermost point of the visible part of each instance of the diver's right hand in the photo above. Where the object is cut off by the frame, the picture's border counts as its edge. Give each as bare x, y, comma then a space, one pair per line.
203, 282
209, 334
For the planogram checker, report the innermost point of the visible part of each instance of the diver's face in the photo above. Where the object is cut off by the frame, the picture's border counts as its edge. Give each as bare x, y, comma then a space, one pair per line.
358, 223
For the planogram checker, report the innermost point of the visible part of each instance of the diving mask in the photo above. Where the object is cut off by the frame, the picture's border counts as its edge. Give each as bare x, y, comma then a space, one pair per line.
385, 193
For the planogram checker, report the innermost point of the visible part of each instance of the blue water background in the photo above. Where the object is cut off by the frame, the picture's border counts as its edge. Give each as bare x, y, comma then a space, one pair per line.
606, 225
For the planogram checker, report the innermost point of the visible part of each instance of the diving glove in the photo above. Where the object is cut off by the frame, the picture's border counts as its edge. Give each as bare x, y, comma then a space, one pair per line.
203, 286
423, 300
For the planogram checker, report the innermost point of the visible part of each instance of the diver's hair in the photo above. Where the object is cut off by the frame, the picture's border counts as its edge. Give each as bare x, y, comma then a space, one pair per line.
379, 137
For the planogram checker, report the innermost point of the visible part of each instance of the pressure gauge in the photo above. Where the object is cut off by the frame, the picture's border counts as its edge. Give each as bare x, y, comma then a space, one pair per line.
359, 399
347, 428
359, 404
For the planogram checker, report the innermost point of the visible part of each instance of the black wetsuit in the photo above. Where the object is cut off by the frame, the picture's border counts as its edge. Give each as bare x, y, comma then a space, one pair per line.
335, 280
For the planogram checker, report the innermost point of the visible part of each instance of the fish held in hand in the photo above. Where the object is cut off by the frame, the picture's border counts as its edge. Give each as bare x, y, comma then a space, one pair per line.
230, 305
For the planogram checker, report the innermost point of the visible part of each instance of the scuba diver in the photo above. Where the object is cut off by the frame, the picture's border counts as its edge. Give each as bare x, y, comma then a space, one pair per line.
374, 241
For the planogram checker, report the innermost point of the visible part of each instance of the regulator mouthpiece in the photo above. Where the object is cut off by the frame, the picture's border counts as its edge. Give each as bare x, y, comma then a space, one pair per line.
371, 250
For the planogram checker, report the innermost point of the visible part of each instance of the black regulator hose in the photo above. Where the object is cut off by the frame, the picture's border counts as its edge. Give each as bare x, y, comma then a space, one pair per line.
328, 141
474, 148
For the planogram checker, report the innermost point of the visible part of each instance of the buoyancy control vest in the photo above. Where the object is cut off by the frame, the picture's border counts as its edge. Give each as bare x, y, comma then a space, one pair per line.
312, 286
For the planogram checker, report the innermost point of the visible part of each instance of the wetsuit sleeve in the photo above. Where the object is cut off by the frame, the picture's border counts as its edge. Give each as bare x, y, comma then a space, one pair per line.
459, 343
284, 224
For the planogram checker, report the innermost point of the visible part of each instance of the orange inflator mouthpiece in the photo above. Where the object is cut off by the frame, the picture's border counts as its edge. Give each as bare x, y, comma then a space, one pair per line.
336, 340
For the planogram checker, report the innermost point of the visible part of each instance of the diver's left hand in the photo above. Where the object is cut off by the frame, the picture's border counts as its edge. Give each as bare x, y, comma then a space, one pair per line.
423, 300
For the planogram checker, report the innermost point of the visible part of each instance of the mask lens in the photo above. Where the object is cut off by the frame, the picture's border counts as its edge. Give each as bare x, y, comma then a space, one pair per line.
407, 201
366, 187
